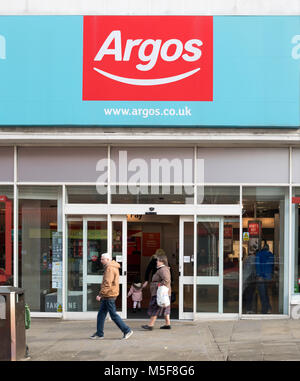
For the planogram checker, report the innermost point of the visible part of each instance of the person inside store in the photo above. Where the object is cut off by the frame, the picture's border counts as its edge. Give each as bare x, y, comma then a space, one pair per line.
264, 275
249, 280
228, 263
136, 293
161, 277
107, 295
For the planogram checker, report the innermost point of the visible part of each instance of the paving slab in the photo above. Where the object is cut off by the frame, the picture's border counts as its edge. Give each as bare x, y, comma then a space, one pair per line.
242, 340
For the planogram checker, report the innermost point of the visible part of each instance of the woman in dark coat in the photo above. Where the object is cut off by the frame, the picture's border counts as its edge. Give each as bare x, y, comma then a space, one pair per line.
161, 277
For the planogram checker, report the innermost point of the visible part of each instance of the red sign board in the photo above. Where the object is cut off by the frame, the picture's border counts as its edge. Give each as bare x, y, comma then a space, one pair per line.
151, 242
153, 58
228, 232
253, 228
296, 200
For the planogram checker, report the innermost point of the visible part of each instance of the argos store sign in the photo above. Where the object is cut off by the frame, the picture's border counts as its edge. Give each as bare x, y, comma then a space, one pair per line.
148, 58
156, 71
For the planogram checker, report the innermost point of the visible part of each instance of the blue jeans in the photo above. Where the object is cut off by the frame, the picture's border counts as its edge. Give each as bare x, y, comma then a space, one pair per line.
108, 305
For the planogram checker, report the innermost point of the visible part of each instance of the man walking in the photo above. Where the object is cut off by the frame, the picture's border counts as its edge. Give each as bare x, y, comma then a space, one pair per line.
107, 296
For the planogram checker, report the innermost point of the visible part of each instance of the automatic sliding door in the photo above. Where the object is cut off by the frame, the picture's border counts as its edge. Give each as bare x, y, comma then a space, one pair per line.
119, 254
186, 268
209, 284
94, 244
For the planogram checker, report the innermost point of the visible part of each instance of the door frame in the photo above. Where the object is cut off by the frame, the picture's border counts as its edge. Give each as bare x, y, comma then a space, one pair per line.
209, 280
119, 212
123, 277
185, 280
88, 279
95, 279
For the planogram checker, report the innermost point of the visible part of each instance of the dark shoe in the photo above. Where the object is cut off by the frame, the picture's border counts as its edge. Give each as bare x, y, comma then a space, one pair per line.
165, 327
134, 310
139, 309
96, 337
147, 327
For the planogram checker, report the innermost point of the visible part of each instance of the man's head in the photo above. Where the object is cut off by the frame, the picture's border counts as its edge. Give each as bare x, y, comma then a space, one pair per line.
105, 258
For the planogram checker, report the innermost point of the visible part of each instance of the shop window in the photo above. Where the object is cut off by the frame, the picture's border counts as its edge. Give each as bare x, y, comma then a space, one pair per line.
40, 248
218, 195
231, 271
265, 252
87, 194
75, 266
6, 235
296, 218
133, 194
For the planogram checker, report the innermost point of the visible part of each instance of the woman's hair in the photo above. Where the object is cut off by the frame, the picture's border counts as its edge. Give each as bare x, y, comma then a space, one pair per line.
158, 252
163, 258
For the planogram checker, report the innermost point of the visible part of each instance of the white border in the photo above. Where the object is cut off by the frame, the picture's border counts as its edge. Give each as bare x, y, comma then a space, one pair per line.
150, 7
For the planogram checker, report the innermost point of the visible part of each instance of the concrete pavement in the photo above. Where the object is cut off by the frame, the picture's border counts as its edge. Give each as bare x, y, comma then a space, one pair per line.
234, 340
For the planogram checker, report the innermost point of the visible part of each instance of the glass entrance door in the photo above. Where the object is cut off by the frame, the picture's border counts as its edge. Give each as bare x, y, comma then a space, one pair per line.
94, 244
87, 239
186, 267
209, 274
118, 234
209, 265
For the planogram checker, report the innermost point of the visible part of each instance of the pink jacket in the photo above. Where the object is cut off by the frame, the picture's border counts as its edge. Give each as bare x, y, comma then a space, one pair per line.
136, 292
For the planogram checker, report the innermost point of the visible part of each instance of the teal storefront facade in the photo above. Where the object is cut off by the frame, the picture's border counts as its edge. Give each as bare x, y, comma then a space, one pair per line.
217, 96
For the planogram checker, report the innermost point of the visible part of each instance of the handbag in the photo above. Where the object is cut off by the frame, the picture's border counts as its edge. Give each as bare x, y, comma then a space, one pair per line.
162, 297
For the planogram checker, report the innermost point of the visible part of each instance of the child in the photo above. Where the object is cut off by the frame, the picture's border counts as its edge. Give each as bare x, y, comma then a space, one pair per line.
136, 290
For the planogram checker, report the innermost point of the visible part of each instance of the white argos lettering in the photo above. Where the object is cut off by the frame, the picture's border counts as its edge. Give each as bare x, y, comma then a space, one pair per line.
151, 58
129, 45
178, 51
189, 47
117, 51
149, 50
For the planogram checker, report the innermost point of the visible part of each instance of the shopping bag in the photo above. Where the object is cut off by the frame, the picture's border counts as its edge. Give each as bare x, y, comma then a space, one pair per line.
162, 297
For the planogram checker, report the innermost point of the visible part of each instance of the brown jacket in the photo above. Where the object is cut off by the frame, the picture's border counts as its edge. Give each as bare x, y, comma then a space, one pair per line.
163, 277
110, 282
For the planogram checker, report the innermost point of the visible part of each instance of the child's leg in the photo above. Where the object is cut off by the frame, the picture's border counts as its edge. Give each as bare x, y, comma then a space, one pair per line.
139, 305
134, 305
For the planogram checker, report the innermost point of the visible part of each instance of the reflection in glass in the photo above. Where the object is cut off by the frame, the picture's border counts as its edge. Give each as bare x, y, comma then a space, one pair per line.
188, 249
207, 298
75, 266
218, 195
117, 242
231, 249
91, 194
208, 249
96, 245
152, 195
38, 224
188, 296
296, 207
6, 236
265, 220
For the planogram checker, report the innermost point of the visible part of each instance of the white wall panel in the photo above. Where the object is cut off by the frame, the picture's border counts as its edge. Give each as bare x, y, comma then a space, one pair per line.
155, 7
59, 164
6, 164
245, 165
